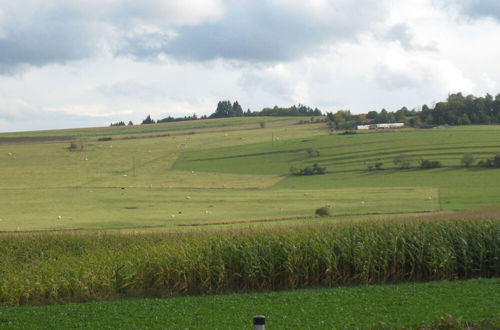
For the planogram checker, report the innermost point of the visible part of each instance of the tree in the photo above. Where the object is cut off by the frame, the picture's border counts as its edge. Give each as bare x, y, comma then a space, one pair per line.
403, 161
467, 159
120, 123
425, 163
223, 110
236, 110
496, 160
130, 123
148, 120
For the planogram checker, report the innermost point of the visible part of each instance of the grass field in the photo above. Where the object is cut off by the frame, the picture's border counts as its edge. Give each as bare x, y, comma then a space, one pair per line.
90, 225
152, 129
397, 306
237, 174
116, 208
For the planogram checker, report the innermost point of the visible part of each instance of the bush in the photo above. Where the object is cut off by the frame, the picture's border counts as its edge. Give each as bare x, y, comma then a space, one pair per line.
76, 146
376, 166
323, 211
314, 170
490, 162
312, 153
496, 160
425, 163
348, 133
262, 124
467, 159
403, 161
106, 138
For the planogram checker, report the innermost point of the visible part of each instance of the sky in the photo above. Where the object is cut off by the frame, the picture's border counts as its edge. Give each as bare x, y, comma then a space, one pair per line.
82, 63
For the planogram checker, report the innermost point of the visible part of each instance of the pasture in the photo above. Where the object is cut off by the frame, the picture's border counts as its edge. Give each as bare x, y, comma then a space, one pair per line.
158, 183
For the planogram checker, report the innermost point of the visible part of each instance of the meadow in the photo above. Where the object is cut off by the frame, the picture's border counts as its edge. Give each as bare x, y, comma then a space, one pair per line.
164, 182
211, 207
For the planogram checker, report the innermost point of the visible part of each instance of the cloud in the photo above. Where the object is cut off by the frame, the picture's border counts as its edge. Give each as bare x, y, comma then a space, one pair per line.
477, 8
271, 30
403, 34
41, 32
402, 71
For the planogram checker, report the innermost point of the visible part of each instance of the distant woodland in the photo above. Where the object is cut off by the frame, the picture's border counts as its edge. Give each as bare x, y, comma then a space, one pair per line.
456, 110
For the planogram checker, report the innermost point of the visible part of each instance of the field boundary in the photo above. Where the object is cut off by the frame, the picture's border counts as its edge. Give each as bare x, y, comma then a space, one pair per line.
296, 217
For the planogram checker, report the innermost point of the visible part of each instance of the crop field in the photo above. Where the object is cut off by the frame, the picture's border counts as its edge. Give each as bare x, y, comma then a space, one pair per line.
211, 207
393, 306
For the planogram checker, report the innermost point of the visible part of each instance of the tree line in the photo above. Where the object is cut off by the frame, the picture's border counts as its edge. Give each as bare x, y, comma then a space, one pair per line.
226, 109
456, 110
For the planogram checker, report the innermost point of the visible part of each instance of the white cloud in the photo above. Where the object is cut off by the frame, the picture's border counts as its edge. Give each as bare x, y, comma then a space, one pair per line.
90, 62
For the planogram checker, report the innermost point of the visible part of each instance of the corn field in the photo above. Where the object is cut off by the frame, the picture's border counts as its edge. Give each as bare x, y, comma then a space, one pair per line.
45, 268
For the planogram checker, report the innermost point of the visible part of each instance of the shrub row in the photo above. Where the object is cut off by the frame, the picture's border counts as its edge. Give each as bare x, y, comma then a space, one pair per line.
56, 268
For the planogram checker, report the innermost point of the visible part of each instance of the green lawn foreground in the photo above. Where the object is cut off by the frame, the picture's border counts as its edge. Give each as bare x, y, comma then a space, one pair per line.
397, 306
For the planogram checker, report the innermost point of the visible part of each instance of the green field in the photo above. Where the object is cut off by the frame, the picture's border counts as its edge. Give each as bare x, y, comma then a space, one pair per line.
174, 209
396, 306
238, 174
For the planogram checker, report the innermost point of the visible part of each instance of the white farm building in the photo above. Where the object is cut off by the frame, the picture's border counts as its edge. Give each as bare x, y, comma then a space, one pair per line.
384, 125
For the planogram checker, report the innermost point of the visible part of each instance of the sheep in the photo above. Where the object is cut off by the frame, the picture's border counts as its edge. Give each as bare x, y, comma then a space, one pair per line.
362, 202
188, 197
59, 217
172, 216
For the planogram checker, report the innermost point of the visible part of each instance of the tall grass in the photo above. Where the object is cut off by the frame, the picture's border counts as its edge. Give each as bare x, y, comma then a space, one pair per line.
72, 267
